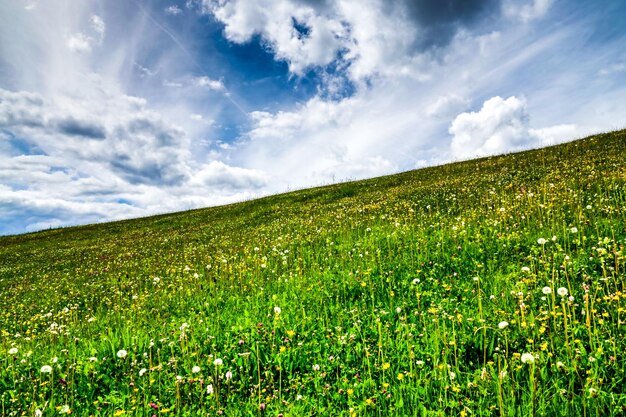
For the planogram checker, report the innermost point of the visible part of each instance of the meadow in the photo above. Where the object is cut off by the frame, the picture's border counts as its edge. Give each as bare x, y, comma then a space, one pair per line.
492, 287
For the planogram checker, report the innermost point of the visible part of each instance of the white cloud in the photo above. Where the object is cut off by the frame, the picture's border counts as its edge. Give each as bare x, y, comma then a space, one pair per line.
499, 126
98, 26
372, 36
80, 42
526, 10
173, 10
557, 134
218, 175
502, 126
215, 85
20, 108
277, 22
201, 119
98, 152
447, 105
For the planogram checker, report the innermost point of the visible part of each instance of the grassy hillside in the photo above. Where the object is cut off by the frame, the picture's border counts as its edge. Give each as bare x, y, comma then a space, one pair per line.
487, 287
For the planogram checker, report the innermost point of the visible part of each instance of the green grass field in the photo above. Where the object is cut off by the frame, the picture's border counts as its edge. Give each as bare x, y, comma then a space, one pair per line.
492, 287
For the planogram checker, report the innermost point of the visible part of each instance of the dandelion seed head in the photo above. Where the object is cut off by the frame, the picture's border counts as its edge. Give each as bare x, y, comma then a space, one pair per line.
528, 358
502, 325
562, 291
121, 353
546, 290
46, 369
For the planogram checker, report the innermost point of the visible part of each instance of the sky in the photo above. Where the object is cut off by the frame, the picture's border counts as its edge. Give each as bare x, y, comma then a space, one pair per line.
126, 108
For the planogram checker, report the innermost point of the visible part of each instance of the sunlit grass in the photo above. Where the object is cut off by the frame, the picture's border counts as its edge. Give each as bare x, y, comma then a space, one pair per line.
489, 287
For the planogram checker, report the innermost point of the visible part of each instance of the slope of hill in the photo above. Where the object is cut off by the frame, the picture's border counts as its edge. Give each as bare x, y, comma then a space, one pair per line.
486, 287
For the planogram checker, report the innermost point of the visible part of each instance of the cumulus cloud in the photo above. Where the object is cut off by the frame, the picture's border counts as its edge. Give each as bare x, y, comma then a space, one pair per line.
134, 141
95, 153
295, 32
500, 126
369, 36
20, 108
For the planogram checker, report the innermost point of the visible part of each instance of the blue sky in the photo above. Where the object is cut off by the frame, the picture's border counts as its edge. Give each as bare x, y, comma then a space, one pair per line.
117, 109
